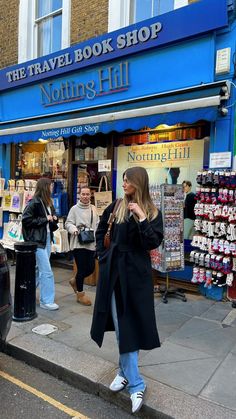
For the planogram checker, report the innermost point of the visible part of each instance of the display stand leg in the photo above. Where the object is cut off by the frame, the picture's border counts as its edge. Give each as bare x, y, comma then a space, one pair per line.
171, 292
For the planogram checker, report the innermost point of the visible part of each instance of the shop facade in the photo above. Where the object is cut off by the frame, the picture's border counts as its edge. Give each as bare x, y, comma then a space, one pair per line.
159, 94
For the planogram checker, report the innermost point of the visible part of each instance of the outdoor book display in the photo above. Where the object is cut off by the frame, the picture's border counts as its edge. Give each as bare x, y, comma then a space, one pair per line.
214, 256
170, 254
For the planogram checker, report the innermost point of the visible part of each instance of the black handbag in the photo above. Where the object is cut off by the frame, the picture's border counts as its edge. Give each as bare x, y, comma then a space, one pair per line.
86, 235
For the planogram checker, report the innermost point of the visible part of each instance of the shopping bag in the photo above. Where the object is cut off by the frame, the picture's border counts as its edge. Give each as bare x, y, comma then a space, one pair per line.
2, 183
27, 196
102, 198
1, 216
14, 230
16, 201
6, 200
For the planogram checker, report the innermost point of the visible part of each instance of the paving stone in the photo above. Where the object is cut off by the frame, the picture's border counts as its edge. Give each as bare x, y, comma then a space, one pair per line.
206, 336
170, 353
217, 312
109, 350
189, 376
190, 307
169, 321
222, 385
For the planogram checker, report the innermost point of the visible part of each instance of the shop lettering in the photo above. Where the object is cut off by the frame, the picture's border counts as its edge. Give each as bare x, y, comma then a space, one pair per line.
175, 154
110, 79
87, 52
78, 129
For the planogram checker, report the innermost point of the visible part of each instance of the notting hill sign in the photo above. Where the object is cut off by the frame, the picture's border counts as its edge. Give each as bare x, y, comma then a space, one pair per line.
183, 23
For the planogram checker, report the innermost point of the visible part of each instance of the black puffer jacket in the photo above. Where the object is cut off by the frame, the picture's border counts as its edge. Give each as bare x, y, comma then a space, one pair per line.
34, 223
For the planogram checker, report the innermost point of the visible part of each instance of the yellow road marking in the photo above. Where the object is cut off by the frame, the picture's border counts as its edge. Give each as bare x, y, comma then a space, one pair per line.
43, 396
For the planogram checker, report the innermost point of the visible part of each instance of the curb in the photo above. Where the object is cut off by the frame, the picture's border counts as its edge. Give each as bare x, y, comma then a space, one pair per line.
80, 381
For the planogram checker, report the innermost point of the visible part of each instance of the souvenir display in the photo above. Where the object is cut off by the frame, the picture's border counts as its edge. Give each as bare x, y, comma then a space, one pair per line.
215, 229
170, 255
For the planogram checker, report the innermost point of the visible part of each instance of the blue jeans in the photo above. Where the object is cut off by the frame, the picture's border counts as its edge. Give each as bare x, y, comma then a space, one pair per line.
44, 274
128, 362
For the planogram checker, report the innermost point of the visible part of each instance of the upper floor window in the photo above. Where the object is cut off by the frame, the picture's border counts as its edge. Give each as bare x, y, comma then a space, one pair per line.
144, 9
48, 26
125, 12
44, 27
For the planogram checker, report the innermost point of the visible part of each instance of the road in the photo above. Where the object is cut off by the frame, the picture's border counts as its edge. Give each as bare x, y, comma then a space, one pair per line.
28, 393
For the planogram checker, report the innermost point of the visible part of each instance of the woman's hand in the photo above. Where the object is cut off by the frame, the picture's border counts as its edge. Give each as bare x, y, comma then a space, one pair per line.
135, 208
49, 217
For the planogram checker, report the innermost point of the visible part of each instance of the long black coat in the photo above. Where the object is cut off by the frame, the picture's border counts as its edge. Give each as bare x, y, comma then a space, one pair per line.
126, 268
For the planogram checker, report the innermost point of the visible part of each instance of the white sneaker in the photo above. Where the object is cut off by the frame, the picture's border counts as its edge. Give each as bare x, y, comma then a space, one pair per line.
118, 384
137, 400
49, 306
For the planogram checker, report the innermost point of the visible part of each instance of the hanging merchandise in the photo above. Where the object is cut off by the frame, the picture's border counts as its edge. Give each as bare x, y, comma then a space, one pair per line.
1, 216
27, 196
170, 254
6, 200
215, 225
2, 184
13, 230
60, 239
102, 198
17, 197
60, 199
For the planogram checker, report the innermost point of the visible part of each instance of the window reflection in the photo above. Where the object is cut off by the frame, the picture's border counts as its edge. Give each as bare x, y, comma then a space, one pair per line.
49, 26
145, 9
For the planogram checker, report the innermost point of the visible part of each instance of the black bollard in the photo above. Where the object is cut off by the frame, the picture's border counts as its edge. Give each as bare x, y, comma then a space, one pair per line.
25, 287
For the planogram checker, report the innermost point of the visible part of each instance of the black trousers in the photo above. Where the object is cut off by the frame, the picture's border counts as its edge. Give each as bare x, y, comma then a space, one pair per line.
85, 263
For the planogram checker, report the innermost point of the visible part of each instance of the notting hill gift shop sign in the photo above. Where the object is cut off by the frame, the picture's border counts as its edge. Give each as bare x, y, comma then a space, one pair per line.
181, 24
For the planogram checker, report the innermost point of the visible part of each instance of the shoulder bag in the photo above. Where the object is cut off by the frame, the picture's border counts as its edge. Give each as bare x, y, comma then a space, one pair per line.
86, 236
107, 237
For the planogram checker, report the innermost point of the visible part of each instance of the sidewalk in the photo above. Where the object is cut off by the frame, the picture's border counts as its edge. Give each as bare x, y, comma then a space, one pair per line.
192, 375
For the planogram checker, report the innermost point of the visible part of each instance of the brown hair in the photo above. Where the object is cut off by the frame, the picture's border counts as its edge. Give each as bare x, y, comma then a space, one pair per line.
187, 183
138, 178
43, 190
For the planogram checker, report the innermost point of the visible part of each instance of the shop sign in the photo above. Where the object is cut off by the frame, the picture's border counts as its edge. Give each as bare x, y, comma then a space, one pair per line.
171, 162
160, 154
168, 28
105, 81
90, 129
104, 165
220, 160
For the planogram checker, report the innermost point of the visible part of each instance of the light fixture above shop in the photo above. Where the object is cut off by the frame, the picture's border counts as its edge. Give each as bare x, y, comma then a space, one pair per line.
42, 140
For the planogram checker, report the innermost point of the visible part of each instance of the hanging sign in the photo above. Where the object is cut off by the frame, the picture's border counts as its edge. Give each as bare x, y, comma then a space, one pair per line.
220, 160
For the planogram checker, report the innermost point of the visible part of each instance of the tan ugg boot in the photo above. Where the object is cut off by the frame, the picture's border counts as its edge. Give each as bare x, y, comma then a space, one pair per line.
72, 282
83, 299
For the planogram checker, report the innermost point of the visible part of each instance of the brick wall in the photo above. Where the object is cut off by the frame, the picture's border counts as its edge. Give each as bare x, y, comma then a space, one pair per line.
8, 32
88, 19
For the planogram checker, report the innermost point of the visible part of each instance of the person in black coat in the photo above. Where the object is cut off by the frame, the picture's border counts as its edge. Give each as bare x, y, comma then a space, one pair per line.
38, 223
124, 299
189, 215
190, 201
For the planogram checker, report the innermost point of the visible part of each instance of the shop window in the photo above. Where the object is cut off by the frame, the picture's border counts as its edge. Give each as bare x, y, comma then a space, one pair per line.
42, 158
125, 12
44, 27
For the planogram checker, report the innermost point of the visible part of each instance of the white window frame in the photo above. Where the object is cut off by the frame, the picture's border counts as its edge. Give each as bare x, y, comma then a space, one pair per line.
119, 11
27, 39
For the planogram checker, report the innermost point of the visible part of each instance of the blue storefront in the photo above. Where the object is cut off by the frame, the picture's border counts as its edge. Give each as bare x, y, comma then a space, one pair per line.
177, 68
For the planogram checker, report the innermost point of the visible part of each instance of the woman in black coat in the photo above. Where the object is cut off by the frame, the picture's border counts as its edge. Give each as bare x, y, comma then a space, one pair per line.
124, 298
